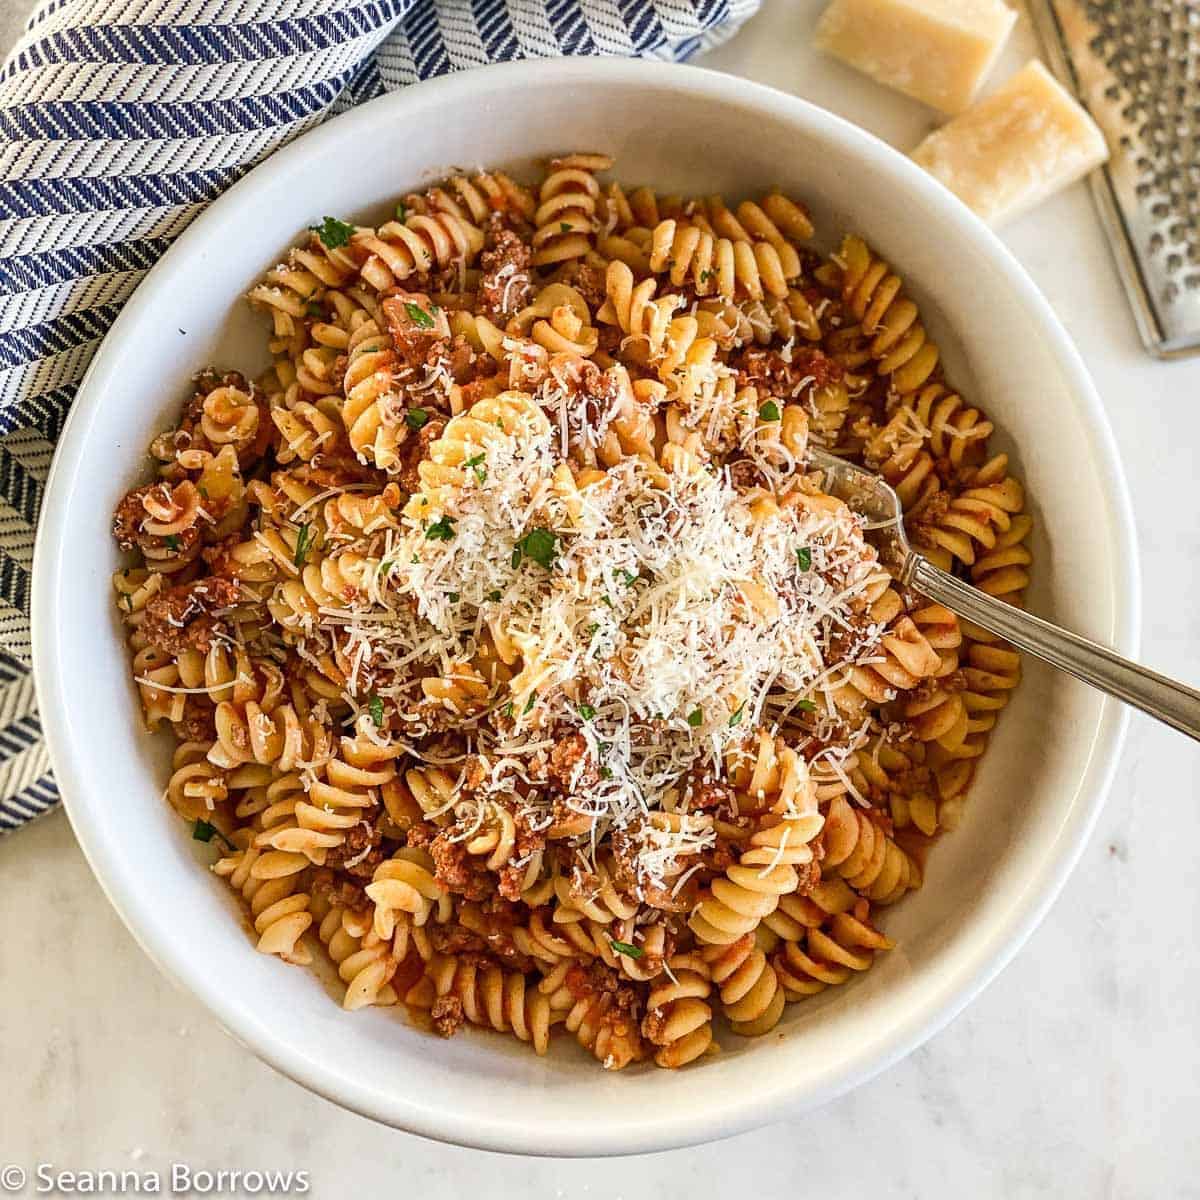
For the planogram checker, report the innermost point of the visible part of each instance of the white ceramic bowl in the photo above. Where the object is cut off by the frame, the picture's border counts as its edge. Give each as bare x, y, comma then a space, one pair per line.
1042, 781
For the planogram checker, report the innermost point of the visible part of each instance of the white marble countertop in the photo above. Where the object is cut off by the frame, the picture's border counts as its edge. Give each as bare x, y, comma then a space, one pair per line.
1074, 1074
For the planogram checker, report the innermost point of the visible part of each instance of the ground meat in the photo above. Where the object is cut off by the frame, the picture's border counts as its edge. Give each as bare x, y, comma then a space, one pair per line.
455, 939
596, 979
462, 362
603, 392
219, 557
529, 841
332, 471
421, 834
198, 724
847, 642
180, 618
706, 794
626, 845
349, 856
475, 773
810, 876
483, 928
461, 872
447, 1015
774, 375
925, 524
661, 897
571, 768
746, 475
589, 281
419, 329
505, 288
654, 1027
955, 681
511, 882
593, 399
340, 891
415, 450
127, 520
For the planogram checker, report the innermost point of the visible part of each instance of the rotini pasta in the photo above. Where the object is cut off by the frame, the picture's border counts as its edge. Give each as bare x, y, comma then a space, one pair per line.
519, 665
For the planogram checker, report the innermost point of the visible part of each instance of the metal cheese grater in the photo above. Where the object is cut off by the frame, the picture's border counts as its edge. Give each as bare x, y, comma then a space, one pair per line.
1135, 65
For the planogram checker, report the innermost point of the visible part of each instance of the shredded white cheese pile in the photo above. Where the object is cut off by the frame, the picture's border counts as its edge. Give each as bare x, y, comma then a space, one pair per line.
652, 613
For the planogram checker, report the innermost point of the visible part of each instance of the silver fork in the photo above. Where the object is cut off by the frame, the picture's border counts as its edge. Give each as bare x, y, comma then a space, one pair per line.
870, 495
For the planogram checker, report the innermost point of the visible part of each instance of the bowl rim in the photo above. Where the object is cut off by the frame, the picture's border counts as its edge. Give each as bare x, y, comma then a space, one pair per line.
724, 1115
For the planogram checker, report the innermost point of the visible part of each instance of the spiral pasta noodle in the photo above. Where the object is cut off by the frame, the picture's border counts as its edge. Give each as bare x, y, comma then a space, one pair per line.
718, 266
565, 218
678, 1019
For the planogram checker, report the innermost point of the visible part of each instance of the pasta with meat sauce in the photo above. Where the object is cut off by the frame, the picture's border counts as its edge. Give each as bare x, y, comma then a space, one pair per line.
518, 663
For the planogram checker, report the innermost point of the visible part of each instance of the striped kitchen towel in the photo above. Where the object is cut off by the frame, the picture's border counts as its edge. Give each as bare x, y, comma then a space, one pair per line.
121, 119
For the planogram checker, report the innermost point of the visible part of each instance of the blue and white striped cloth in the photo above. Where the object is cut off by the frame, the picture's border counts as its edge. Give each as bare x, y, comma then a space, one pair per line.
121, 119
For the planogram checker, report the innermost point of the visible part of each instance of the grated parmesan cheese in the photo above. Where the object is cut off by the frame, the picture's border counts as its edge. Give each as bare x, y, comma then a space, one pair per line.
669, 622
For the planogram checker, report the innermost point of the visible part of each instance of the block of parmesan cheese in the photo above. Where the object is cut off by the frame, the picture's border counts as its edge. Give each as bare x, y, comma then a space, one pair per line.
937, 51
1012, 150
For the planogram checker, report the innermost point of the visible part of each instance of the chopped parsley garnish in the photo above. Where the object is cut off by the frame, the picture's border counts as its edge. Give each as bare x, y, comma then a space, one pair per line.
441, 530
418, 315
806, 706
592, 629
804, 558
769, 411
626, 949
476, 465
605, 772
607, 599
205, 831
494, 595
630, 578
539, 544
736, 719
333, 233
302, 544
401, 211
565, 226
529, 706
507, 710
705, 276
416, 418
202, 490
695, 718
452, 597
375, 708
172, 542
314, 309
586, 711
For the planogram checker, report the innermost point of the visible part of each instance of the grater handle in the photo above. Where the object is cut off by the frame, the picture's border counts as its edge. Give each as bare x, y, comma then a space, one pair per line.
1169, 701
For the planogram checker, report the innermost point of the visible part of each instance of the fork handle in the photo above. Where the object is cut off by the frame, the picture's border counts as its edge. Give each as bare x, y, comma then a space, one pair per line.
1170, 702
